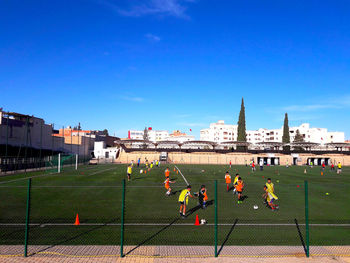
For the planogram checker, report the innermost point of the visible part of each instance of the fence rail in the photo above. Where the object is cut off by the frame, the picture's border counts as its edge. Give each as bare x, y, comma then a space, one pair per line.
116, 220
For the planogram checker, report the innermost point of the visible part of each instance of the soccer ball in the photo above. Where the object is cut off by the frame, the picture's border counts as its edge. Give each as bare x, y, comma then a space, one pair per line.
141, 171
255, 207
203, 221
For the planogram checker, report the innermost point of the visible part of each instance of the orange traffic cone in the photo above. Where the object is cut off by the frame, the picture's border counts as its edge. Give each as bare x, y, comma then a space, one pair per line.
77, 223
197, 221
177, 172
321, 173
145, 171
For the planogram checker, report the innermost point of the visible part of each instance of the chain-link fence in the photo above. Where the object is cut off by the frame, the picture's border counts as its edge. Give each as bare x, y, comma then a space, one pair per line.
142, 220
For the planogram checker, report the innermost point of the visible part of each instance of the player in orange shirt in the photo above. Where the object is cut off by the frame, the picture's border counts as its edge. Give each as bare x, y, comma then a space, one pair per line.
167, 183
239, 188
167, 172
228, 180
202, 196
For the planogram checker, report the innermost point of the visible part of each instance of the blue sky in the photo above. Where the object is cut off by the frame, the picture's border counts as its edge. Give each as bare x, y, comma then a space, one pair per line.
176, 64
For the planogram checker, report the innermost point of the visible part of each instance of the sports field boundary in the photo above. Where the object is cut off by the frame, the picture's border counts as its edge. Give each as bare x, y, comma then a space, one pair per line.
93, 251
165, 224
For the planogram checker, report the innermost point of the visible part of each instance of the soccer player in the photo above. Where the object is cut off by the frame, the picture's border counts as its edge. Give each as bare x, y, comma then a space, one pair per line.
270, 188
323, 166
202, 196
129, 171
270, 198
157, 163
239, 189
183, 200
332, 167
253, 166
167, 183
138, 162
228, 180
146, 163
339, 168
235, 180
261, 164
230, 164
167, 172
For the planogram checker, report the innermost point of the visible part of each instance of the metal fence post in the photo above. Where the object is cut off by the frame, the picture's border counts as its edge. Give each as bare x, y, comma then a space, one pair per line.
307, 219
122, 222
216, 218
27, 218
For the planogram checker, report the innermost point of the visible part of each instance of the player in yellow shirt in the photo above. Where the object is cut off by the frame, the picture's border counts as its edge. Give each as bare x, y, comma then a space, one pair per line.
339, 168
270, 186
235, 180
183, 200
270, 198
129, 171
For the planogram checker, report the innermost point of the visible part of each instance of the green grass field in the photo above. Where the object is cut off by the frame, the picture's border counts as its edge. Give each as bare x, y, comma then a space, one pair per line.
152, 218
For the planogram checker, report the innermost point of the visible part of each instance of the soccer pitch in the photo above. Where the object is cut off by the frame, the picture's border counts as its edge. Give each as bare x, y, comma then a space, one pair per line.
152, 218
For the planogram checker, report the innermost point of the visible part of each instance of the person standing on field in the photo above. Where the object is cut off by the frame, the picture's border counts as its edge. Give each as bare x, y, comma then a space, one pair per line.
339, 168
228, 180
129, 172
183, 200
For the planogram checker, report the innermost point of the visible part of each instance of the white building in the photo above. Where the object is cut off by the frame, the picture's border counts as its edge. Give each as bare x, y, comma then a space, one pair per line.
219, 132
179, 137
103, 152
156, 136
135, 135
153, 135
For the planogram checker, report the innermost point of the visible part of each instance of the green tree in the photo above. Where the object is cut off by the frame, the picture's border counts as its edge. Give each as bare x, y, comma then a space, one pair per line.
298, 137
241, 137
286, 136
145, 134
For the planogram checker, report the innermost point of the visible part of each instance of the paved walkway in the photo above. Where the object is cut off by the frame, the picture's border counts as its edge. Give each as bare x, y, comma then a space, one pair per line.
174, 254
44, 259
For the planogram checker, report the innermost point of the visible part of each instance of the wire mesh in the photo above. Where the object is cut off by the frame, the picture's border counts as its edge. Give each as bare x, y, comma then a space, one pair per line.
153, 226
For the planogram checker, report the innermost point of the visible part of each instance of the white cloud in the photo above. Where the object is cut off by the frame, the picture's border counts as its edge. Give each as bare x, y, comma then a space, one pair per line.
174, 8
134, 99
152, 37
311, 107
340, 102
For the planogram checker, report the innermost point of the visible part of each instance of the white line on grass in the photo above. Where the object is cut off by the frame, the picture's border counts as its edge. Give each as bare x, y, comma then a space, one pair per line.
182, 175
53, 174
165, 224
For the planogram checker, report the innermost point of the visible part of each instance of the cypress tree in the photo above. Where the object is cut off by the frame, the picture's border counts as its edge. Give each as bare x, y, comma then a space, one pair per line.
241, 137
286, 137
145, 137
